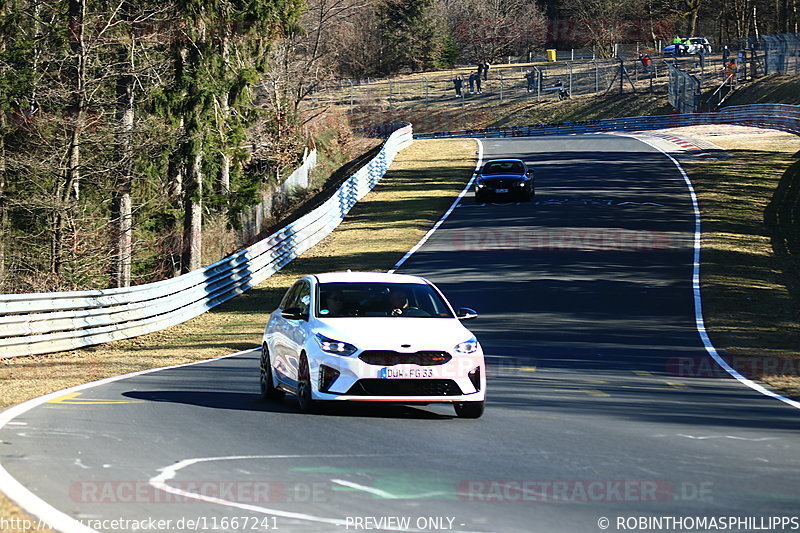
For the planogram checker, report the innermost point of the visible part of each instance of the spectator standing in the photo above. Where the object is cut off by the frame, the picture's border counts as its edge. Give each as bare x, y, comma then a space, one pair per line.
472, 77
478, 83
531, 77
677, 46
485, 70
480, 68
646, 60
726, 53
457, 83
730, 71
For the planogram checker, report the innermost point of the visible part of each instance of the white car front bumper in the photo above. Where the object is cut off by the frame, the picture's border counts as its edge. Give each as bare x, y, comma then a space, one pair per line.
453, 381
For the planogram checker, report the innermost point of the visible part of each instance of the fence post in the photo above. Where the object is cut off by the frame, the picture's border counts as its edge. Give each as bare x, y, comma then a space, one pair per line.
351, 94
596, 77
390, 94
569, 66
501, 85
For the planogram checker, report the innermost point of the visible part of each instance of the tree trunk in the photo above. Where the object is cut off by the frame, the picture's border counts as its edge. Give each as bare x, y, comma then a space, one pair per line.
69, 190
174, 243
193, 218
695, 7
225, 163
121, 205
3, 215
77, 14
176, 172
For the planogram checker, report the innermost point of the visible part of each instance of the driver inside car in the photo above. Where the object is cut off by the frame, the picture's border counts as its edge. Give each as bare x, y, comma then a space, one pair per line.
334, 304
398, 302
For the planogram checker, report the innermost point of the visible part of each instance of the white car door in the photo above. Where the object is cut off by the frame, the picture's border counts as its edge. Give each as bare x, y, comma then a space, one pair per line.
278, 331
296, 331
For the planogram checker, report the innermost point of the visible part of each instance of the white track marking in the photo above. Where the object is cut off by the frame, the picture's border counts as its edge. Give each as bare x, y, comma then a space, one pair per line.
428, 235
29, 501
371, 490
168, 473
386, 495
698, 302
732, 437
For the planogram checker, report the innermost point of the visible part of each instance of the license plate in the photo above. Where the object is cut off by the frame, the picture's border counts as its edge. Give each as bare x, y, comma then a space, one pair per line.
500, 190
404, 373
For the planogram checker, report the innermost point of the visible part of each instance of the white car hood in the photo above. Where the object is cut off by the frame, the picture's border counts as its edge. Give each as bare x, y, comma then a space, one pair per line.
391, 333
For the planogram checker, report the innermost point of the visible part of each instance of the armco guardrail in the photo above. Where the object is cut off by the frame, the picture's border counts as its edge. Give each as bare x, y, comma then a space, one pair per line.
52, 322
778, 116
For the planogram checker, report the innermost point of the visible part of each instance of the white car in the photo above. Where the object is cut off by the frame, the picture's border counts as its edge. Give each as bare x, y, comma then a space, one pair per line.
690, 46
369, 336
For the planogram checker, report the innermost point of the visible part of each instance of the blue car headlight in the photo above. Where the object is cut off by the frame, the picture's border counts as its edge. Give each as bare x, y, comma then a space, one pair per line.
467, 347
335, 347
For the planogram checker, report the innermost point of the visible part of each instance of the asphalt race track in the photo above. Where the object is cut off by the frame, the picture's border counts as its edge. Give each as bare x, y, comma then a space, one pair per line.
602, 402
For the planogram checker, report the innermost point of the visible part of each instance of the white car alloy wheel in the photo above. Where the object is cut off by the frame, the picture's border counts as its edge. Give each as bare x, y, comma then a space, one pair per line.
268, 390
304, 398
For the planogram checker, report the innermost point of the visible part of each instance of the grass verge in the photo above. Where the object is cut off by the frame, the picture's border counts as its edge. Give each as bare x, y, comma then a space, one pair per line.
773, 89
446, 116
749, 310
420, 186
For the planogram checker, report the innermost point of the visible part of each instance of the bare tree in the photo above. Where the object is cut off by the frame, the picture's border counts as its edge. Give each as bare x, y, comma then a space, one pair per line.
308, 58
491, 29
604, 20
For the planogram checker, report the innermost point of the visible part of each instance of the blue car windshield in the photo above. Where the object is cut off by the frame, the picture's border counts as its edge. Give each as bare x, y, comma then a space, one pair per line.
401, 300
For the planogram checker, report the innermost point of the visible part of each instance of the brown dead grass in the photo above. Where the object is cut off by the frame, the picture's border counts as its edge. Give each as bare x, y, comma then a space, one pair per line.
750, 313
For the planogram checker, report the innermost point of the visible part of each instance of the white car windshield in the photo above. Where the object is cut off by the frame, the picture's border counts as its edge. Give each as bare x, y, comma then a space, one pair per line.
401, 300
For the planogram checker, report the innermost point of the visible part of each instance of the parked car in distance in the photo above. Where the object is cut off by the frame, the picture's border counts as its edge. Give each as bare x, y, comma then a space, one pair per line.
504, 179
690, 46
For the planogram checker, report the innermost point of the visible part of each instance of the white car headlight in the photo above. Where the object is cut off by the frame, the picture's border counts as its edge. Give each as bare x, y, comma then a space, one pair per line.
468, 346
335, 347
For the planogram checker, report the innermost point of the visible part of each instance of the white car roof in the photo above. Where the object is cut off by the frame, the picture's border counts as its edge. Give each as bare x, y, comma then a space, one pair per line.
366, 277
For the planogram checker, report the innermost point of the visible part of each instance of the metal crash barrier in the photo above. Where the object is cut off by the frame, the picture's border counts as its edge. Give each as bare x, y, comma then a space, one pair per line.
52, 322
776, 116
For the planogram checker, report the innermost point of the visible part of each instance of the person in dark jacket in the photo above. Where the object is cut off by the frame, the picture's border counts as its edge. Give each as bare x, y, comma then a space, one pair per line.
485, 70
457, 83
531, 77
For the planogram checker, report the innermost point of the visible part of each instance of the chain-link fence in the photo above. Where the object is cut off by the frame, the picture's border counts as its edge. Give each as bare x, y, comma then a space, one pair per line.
714, 72
684, 90
539, 82
781, 53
